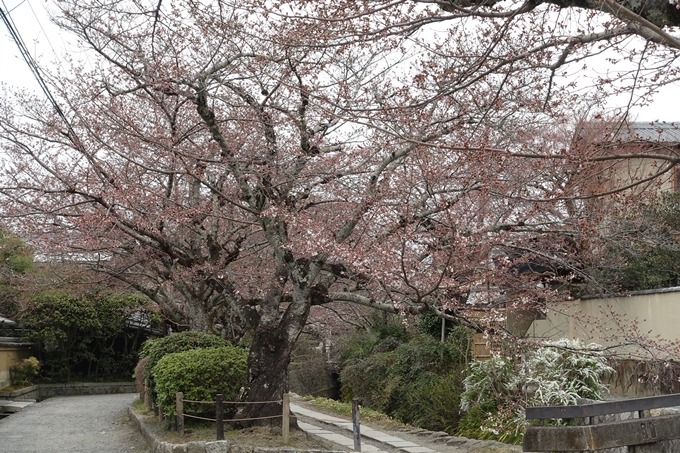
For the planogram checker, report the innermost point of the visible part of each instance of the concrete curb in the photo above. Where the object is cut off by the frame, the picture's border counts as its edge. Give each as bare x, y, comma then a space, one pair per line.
218, 446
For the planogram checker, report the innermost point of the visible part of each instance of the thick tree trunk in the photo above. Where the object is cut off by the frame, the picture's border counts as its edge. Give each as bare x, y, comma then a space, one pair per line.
197, 317
268, 370
268, 362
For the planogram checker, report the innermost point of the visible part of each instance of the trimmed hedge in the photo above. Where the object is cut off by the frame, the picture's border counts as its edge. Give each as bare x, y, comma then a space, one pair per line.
179, 342
155, 350
200, 374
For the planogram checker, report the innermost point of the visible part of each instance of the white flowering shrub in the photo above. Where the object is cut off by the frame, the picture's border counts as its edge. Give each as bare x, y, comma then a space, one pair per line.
488, 383
497, 391
561, 371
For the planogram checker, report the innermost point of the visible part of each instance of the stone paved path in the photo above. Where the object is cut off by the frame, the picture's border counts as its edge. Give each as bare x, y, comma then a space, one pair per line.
339, 431
73, 424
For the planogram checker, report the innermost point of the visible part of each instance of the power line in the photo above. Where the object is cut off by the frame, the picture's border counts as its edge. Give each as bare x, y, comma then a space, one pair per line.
72, 136
47, 38
8, 12
16, 37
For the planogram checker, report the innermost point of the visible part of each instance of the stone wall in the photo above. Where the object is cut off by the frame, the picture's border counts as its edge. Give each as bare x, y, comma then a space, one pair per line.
42, 391
635, 379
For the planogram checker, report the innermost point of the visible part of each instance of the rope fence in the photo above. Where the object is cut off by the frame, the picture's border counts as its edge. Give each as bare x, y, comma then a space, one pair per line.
219, 414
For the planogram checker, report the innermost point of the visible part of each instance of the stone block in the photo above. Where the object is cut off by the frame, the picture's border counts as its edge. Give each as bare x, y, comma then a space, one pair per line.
239, 448
441, 440
178, 448
455, 441
220, 446
196, 447
438, 434
266, 450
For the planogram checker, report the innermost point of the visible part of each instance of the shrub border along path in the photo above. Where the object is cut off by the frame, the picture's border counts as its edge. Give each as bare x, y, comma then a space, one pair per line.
439, 442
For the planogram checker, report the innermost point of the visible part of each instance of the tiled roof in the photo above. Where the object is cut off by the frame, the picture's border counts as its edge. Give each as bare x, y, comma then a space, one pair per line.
658, 131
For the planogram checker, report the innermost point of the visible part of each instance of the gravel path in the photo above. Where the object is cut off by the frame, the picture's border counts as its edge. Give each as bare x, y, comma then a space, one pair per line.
74, 424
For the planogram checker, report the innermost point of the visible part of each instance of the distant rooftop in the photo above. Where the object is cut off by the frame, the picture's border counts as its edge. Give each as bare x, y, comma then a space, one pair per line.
658, 131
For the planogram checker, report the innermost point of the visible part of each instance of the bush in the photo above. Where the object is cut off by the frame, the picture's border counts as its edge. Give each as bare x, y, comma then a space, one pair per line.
25, 372
200, 374
435, 404
488, 383
412, 382
155, 350
556, 374
178, 342
76, 333
490, 400
562, 371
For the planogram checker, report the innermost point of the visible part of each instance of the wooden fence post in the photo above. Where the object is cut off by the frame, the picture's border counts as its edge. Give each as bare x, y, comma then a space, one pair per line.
220, 416
147, 400
179, 401
285, 422
355, 424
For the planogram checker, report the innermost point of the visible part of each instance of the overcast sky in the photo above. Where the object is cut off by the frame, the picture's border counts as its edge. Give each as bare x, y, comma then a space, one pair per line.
46, 44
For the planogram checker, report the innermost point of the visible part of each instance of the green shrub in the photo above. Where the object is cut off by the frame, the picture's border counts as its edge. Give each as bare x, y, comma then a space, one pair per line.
434, 402
75, 333
408, 381
200, 374
156, 349
178, 342
25, 372
390, 327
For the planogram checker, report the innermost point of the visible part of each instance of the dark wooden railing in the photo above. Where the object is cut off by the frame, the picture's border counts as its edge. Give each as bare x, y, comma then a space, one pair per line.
653, 432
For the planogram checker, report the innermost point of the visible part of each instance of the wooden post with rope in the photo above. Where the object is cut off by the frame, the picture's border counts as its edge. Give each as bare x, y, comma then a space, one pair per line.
179, 402
285, 422
220, 416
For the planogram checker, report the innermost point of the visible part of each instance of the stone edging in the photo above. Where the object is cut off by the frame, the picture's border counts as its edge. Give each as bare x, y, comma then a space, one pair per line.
42, 391
440, 437
218, 446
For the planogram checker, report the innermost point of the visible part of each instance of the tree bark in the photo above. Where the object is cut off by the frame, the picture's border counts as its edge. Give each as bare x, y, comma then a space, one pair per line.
197, 317
270, 354
268, 368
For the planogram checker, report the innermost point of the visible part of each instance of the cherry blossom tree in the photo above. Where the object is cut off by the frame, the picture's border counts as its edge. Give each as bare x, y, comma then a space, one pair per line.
251, 161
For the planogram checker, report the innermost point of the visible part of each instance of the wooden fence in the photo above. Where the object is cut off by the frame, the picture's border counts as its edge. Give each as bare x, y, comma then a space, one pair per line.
645, 433
219, 414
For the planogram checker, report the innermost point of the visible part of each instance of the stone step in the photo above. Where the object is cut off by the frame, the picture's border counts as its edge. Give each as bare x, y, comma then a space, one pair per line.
14, 406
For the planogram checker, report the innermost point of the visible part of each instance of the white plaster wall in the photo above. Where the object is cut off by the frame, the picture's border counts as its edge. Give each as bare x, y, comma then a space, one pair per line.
643, 325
